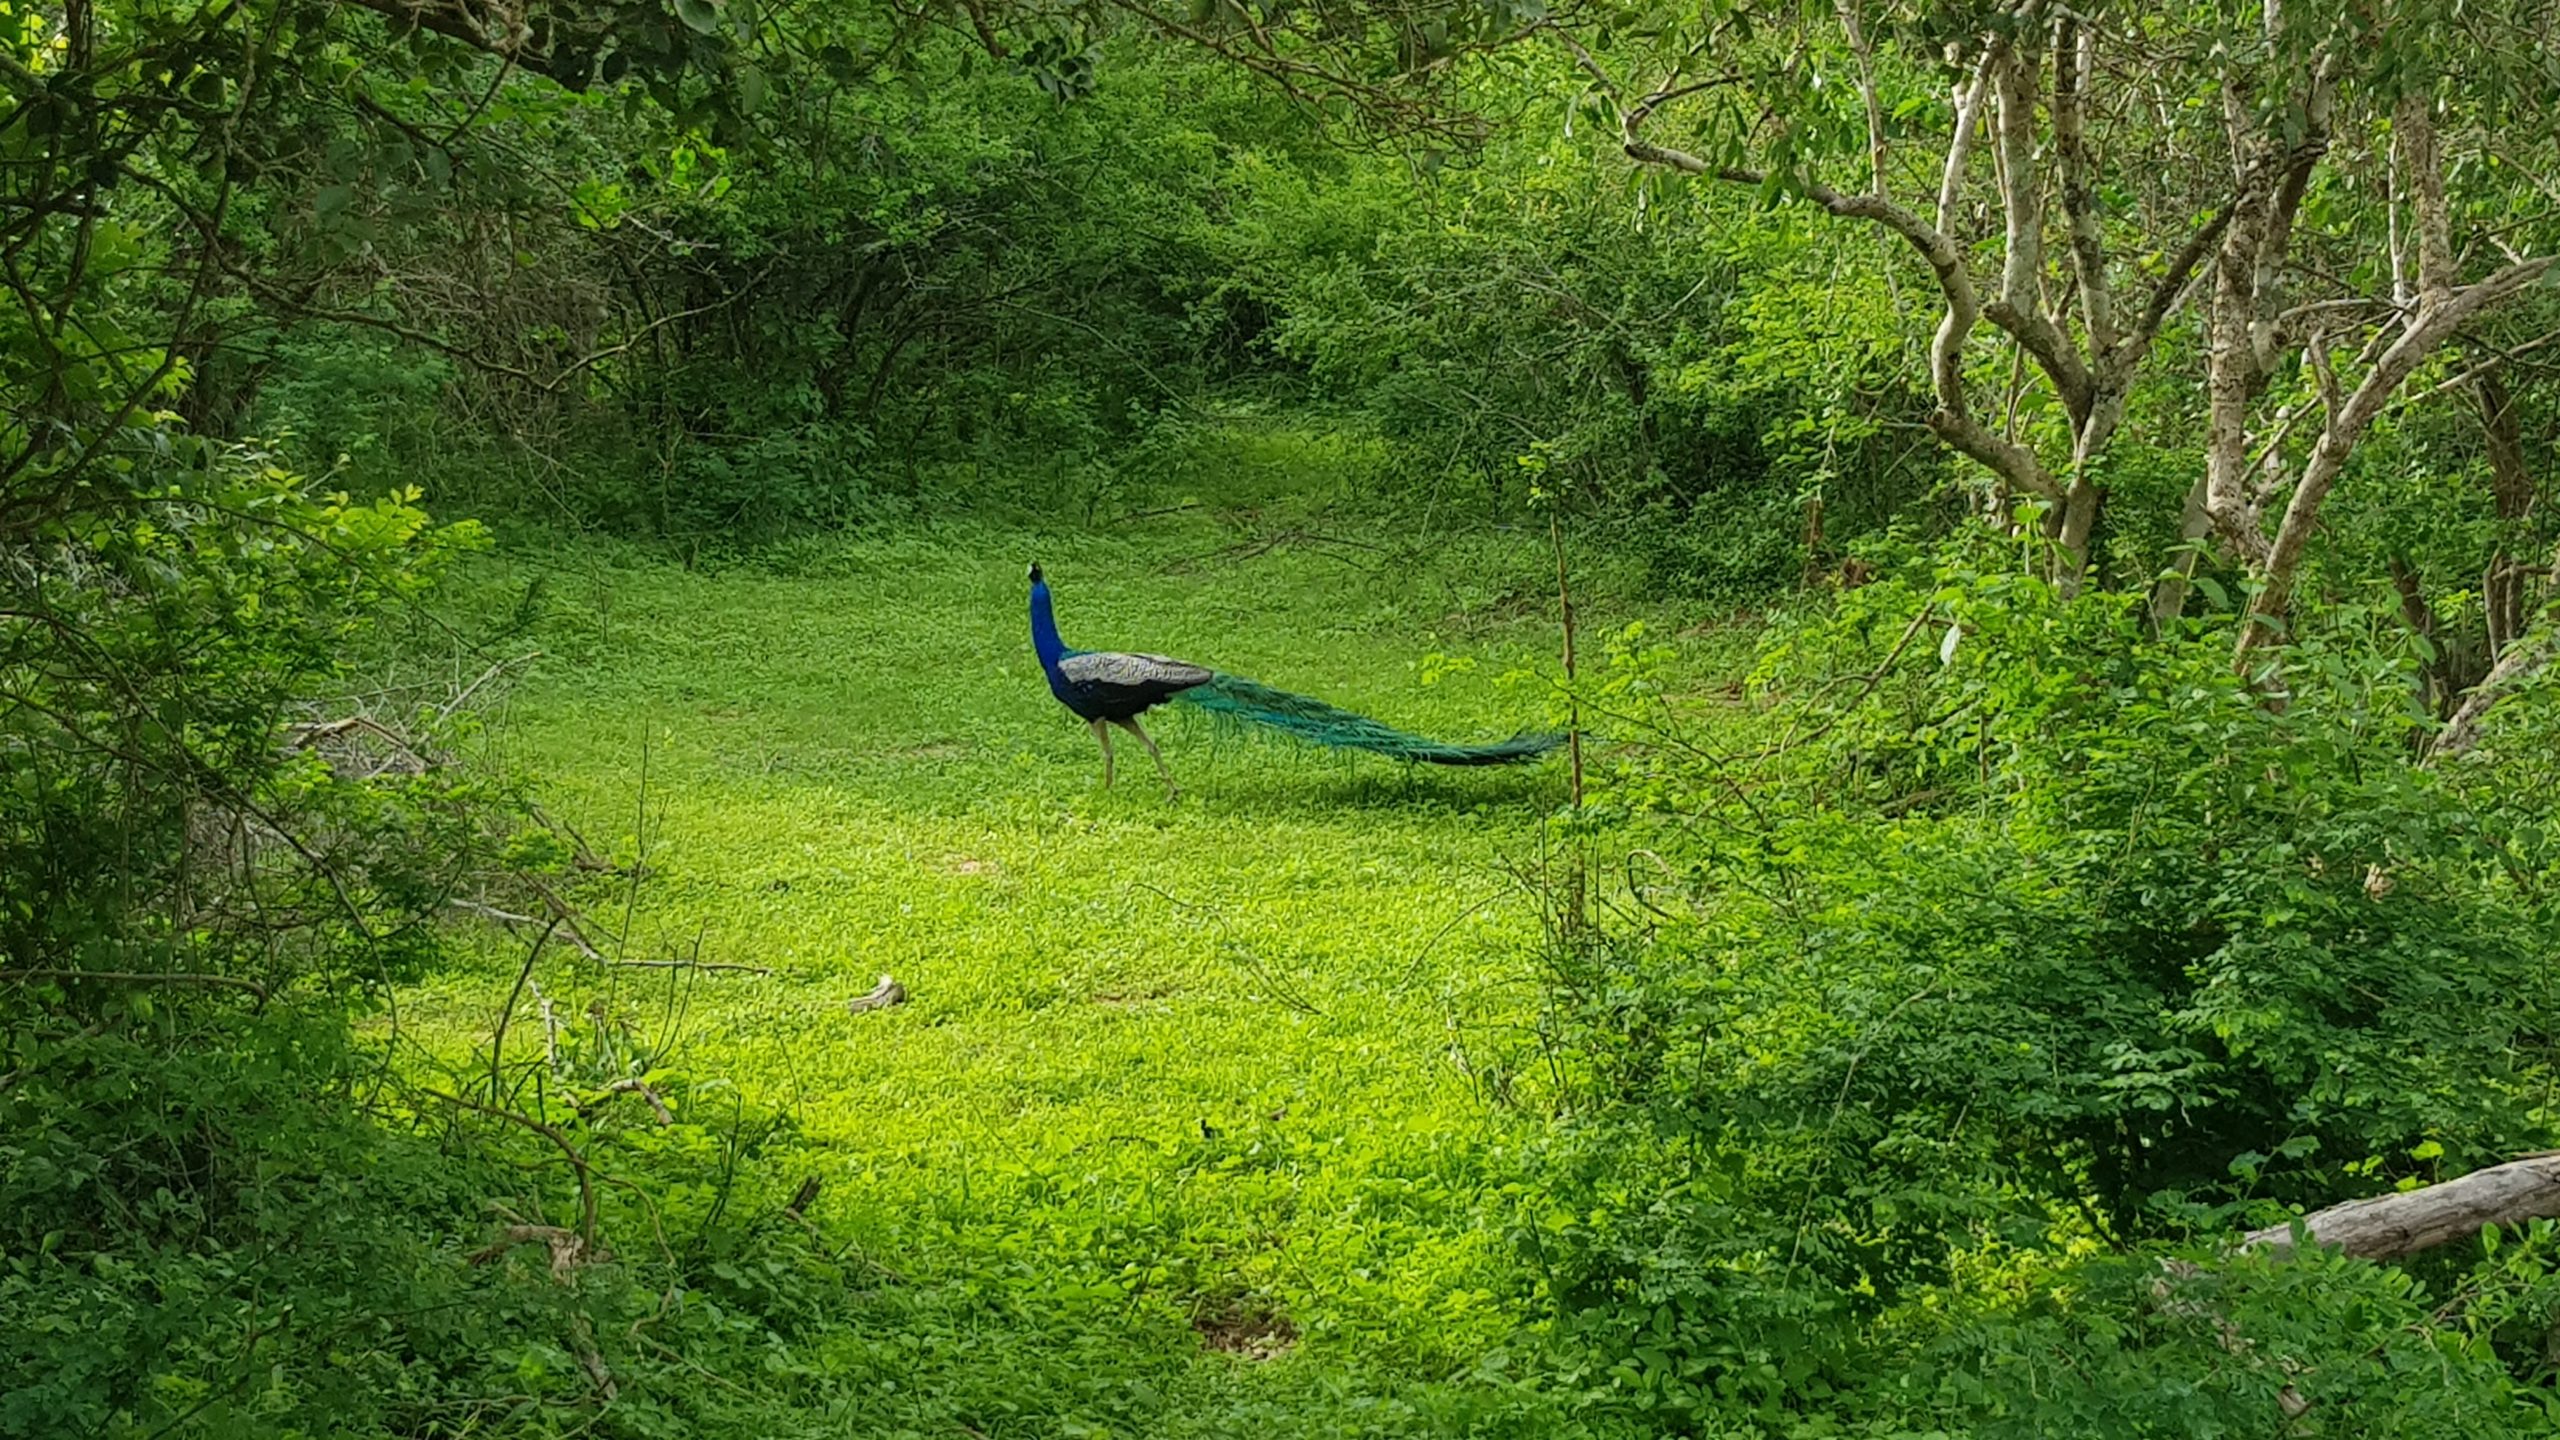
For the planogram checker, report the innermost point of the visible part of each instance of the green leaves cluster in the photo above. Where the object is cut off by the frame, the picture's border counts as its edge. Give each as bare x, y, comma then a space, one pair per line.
2034, 941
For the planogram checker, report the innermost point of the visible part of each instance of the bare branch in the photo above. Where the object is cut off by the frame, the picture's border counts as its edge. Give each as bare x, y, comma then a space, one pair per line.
576, 1157
632, 1085
2173, 284
2485, 367
688, 965
568, 1249
1968, 100
2233, 375
1859, 46
2521, 660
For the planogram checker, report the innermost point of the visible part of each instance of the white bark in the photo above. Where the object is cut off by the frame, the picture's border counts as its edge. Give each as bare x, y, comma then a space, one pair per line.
2394, 1227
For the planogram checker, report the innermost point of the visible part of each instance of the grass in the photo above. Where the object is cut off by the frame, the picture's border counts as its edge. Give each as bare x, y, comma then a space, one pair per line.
1187, 1127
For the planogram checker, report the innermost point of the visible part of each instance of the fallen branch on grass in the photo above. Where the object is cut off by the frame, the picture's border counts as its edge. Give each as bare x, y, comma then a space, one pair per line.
564, 917
403, 757
447, 710
488, 912
2411, 1222
887, 993
688, 965
641, 1088
2379, 1227
568, 1251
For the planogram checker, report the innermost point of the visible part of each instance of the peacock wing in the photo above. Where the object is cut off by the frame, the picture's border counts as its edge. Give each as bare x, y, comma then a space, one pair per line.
1159, 675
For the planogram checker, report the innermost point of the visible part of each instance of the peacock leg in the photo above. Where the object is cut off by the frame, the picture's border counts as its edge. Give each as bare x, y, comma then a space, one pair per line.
1171, 790
1102, 732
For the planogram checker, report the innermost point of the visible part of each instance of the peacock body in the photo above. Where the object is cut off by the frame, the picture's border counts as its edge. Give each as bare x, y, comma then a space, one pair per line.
1109, 689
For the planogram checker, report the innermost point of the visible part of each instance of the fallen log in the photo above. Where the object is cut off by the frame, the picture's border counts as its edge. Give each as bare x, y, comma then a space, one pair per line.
888, 992
2411, 1222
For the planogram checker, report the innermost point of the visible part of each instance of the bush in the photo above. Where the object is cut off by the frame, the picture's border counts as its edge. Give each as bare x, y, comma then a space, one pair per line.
2042, 938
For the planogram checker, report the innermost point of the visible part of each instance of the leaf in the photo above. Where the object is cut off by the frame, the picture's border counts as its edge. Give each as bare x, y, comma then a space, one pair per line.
752, 88
700, 16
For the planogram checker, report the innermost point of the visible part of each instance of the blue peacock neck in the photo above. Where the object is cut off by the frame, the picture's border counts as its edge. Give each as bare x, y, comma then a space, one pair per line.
1044, 629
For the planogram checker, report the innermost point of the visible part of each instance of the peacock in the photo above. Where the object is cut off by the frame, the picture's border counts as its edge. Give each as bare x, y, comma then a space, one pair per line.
1108, 687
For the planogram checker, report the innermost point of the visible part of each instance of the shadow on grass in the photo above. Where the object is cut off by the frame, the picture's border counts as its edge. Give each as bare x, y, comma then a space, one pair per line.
1323, 785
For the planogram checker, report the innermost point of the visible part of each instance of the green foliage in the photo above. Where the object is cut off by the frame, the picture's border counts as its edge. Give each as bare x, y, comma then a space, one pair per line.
2027, 936
887, 297
155, 653
2338, 1346
201, 1232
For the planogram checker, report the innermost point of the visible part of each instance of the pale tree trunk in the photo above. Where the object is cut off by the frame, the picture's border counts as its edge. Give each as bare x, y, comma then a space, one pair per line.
2241, 359
2195, 524
2528, 656
2043, 64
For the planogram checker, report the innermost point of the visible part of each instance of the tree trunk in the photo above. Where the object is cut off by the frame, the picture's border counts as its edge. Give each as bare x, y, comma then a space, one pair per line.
2521, 662
2169, 597
2433, 676
2511, 488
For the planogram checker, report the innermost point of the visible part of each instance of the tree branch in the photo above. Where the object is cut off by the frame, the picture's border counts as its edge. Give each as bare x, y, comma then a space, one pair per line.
2521, 660
1865, 52
2413, 137
2439, 313
456, 22
2173, 283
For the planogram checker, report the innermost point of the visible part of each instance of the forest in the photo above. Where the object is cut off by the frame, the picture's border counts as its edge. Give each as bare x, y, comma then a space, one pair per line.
1849, 719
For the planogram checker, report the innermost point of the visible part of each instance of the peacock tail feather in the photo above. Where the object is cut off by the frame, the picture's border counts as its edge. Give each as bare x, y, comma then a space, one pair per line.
1305, 718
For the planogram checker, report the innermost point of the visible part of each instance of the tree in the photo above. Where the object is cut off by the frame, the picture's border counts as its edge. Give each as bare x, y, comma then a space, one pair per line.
2292, 185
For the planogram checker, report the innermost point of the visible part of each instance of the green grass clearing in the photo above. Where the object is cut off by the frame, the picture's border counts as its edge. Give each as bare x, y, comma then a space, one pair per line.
1186, 1127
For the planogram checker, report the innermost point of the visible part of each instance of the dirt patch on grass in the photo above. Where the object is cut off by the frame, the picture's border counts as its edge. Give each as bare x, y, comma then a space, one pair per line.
1245, 1326
1135, 995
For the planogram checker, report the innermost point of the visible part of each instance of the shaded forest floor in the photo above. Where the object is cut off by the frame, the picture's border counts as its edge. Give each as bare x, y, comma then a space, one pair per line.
1202, 1114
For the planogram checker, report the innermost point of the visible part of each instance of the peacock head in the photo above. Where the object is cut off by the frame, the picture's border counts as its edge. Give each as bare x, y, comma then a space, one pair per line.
1035, 572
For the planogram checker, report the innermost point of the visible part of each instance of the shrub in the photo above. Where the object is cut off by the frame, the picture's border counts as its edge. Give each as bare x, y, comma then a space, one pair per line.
2041, 938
